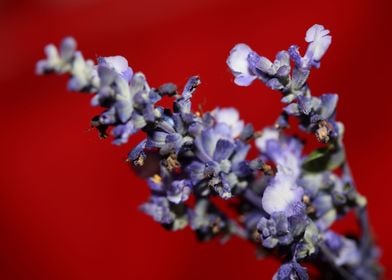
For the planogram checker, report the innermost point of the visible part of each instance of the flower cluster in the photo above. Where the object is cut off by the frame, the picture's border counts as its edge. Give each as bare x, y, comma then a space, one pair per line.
286, 200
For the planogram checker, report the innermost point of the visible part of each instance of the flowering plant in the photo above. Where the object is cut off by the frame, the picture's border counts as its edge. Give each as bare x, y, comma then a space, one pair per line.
286, 201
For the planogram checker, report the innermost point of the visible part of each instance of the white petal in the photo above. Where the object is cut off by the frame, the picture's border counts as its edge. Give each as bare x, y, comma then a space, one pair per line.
281, 195
52, 54
268, 134
315, 33
244, 80
320, 47
231, 117
226, 115
265, 64
237, 128
319, 41
238, 59
349, 254
118, 63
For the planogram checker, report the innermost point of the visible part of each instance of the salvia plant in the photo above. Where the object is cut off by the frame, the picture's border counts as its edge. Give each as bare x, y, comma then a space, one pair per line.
285, 200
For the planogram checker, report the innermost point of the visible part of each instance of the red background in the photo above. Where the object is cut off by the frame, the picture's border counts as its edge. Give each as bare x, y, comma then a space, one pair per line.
68, 202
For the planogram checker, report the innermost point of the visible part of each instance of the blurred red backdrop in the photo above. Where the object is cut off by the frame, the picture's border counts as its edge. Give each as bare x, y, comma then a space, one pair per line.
68, 202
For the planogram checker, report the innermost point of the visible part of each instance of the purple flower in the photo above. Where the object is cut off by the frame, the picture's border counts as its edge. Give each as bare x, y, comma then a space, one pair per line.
58, 61
159, 209
246, 65
319, 41
179, 191
291, 270
283, 193
239, 65
274, 74
183, 103
170, 137
206, 220
345, 249
176, 191
229, 117
131, 106
119, 64
219, 156
280, 228
122, 132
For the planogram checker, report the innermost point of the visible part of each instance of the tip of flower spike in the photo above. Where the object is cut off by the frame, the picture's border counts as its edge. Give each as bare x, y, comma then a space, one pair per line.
315, 32
192, 83
68, 46
319, 40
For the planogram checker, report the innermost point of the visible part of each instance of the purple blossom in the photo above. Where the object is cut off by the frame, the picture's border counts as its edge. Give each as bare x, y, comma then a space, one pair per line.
179, 191
207, 221
231, 118
319, 41
119, 64
291, 270
159, 209
219, 157
283, 193
239, 65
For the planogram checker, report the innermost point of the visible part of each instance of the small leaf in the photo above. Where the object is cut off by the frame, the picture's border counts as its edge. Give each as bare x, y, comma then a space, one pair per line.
322, 159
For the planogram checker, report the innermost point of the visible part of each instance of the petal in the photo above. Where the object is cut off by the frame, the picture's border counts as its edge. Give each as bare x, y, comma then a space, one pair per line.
283, 71
122, 132
295, 55
179, 191
108, 117
138, 83
319, 41
205, 145
223, 150
119, 64
106, 75
300, 76
283, 57
190, 86
156, 140
305, 104
281, 195
244, 79
328, 105
229, 116
138, 151
315, 33
241, 151
317, 49
124, 109
226, 115
264, 65
274, 84
238, 59
196, 172
291, 270
67, 48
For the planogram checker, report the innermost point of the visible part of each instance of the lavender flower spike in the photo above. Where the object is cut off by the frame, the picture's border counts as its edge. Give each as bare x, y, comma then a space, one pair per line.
286, 200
